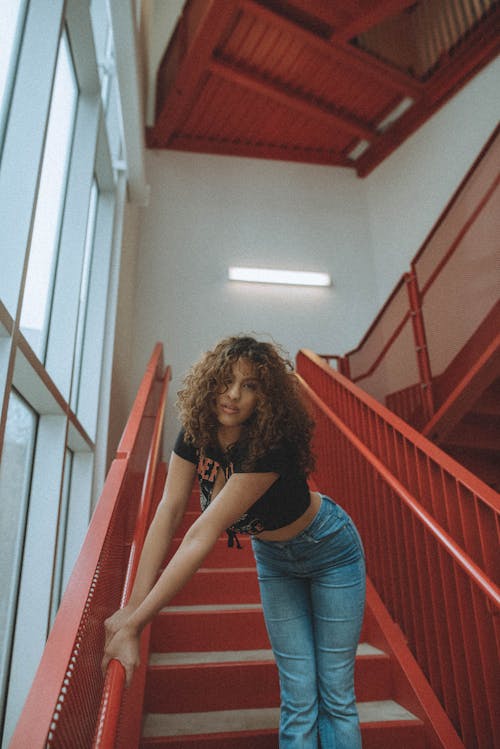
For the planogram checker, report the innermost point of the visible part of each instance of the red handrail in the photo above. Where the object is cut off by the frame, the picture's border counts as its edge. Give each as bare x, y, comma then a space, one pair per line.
365, 361
132, 427
487, 586
109, 713
63, 704
430, 530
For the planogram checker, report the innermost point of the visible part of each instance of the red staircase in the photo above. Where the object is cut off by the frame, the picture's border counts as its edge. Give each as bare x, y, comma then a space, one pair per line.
430, 533
466, 422
432, 354
212, 682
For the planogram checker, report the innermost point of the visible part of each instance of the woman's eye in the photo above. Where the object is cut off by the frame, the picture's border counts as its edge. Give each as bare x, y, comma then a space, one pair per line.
251, 385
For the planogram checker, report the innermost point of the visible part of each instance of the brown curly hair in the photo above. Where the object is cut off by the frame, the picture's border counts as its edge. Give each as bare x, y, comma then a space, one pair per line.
280, 415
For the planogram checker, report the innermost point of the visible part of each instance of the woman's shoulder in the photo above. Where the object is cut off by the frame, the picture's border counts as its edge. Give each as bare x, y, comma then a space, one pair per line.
184, 449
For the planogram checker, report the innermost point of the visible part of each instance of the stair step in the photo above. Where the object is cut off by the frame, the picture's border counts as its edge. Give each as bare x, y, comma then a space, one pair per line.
206, 627
488, 404
224, 656
475, 432
220, 585
222, 555
482, 463
193, 682
384, 724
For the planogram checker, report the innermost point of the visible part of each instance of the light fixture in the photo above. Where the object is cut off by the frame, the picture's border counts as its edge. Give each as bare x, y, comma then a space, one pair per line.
290, 277
395, 114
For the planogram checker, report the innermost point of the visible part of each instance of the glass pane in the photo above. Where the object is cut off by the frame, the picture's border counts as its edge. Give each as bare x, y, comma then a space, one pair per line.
84, 288
62, 528
15, 476
50, 202
11, 14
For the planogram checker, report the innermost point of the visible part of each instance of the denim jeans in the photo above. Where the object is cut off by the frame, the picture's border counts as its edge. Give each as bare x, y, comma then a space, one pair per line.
313, 592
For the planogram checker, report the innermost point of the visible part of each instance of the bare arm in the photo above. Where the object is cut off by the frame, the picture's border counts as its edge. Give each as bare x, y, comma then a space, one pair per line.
167, 518
240, 492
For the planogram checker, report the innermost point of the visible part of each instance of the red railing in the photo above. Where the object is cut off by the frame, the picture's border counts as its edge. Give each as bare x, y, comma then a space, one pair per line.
70, 704
431, 533
436, 307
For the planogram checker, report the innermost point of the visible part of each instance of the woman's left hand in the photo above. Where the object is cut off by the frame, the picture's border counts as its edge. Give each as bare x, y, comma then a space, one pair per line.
124, 646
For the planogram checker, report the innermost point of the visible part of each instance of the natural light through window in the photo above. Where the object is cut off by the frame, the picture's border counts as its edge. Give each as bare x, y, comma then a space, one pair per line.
50, 202
11, 13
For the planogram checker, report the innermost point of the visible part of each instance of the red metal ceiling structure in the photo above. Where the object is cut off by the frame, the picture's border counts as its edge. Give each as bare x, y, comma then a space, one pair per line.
335, 82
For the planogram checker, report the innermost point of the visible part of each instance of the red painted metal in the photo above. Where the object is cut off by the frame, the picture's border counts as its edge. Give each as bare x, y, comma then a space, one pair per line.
111, 704
181, 630
132, 429
231, 685
424, 365
283, 95
220, 585
63, 704
431, 533
317, 70
385, 344
210, 21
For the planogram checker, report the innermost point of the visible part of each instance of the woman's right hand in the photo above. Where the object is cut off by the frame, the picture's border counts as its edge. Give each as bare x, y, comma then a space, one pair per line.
123, 647
116, 621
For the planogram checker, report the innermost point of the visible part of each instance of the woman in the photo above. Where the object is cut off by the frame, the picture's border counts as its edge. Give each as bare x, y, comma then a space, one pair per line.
247, 435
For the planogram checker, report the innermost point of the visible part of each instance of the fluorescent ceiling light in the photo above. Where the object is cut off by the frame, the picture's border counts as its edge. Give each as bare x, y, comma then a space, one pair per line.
358, 150
268, 275
396, 113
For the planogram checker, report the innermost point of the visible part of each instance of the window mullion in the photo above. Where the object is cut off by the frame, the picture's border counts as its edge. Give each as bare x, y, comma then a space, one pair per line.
24, 142
88, 396
66, 295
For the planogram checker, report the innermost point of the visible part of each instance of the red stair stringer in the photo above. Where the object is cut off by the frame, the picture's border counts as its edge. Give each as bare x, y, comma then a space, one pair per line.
410, 687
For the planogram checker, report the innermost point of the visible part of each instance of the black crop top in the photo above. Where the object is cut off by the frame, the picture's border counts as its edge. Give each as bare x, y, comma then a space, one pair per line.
285, 501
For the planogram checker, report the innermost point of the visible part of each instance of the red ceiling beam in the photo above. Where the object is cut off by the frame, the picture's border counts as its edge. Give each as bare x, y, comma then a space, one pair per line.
374, 12
281, 95
259, 151
476, 55
457, 69
192, 69
366, 65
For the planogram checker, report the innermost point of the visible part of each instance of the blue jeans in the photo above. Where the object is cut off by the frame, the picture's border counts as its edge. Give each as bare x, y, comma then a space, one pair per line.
313, 592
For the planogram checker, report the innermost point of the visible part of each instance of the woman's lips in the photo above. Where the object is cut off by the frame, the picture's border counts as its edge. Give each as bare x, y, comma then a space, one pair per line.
229, 409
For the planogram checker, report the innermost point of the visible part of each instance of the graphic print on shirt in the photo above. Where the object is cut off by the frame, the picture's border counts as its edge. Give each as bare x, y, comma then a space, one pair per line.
207, 471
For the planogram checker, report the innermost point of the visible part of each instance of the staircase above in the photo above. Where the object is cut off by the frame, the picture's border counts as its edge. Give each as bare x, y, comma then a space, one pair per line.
466, 423
432, 355
336, 83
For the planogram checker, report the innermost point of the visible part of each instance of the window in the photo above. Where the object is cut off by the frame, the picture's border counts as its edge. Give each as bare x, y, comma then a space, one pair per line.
58, 281
50, 202
84, 289
57, 584
15, 477
12, 13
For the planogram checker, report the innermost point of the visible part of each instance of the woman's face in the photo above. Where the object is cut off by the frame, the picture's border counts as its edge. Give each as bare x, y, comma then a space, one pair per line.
236, 401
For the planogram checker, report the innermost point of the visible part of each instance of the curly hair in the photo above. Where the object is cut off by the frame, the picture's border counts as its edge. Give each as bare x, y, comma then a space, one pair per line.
280, 414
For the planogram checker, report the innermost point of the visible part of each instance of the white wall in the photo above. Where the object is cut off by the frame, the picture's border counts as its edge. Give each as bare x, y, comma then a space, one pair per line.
209, 212
122, 384
407, 193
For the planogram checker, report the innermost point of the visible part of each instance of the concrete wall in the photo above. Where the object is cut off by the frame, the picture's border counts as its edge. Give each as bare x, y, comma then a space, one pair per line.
209, 212
407, 193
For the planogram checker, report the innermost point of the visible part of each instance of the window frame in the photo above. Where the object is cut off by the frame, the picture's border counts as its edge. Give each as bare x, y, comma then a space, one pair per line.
60, 502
